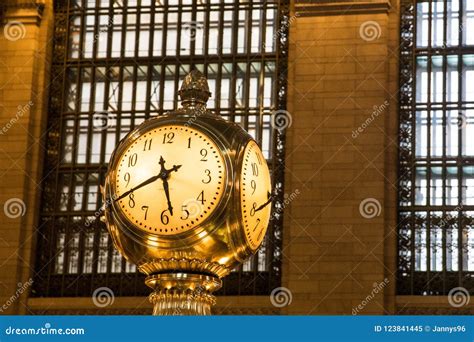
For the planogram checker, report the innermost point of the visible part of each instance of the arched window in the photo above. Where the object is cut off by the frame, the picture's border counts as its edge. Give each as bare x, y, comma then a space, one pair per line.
119, 62
436, 193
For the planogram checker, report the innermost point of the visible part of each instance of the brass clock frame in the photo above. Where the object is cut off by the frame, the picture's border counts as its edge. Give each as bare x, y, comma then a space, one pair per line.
185, 268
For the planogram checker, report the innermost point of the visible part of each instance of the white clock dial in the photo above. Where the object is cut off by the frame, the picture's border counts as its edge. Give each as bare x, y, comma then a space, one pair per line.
255, 195
170, 180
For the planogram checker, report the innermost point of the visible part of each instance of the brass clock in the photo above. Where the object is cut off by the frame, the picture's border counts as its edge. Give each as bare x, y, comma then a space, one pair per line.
188, 198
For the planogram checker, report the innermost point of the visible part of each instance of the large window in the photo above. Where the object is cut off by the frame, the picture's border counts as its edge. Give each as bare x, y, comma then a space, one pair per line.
436, 197
117, 63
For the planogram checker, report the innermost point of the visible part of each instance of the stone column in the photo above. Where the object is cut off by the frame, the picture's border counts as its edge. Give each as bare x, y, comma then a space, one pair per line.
339, 242
25, 54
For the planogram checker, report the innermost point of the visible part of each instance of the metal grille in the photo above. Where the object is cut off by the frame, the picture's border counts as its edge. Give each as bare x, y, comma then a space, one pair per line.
436, 184
115, 64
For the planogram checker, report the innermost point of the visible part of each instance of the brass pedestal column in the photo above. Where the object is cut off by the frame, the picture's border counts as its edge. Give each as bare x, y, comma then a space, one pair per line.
178, 294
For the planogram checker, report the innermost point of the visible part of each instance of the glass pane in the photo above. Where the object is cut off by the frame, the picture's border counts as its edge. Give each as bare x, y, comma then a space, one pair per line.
59, 262
452, 133
468, 185
437, 79
452, 79
436, 182
468, 23
452, 24
436, 245
422, 10
422, 79
466, 125
452, 186
468, 78
437, 133
422, 133
468, 243
421, 191
420, 244
452, 245
88, 252
437, 22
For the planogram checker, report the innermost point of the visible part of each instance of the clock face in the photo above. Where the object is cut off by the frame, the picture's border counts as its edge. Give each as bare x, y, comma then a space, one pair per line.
255, 195
169, 180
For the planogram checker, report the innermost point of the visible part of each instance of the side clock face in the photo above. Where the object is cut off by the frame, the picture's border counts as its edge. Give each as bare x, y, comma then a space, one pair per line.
255, 195
169, 180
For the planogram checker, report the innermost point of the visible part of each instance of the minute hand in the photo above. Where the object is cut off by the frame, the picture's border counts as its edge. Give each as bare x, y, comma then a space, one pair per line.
142, 184
270, 198
167, 194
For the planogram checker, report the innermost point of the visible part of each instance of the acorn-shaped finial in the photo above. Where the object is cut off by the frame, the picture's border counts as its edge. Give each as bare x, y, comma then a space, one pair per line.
195, 89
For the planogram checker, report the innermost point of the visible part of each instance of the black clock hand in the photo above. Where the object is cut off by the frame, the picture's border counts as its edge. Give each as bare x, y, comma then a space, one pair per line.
142, 184
270, 198
174, 168
164, 175
167, 193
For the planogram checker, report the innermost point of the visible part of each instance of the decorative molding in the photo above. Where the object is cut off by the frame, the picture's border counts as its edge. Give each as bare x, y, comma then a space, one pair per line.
24, 11
311, 8
192, 265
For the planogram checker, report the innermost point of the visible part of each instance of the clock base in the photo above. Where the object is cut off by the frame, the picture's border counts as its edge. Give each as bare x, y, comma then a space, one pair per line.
182, 294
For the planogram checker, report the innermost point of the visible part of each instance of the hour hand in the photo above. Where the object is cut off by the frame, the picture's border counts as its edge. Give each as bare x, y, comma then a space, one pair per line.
165, 173
174, 168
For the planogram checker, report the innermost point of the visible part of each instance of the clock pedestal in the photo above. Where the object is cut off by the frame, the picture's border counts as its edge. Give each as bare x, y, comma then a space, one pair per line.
182, 293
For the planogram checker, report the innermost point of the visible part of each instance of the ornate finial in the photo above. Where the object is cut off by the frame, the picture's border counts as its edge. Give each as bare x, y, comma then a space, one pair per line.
194, 89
